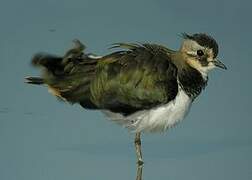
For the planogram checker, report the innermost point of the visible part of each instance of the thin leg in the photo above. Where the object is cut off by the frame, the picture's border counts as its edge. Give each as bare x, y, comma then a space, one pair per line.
138, 149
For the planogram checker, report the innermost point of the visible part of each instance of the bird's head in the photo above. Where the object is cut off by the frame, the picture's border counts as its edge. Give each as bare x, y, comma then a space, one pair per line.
200, 51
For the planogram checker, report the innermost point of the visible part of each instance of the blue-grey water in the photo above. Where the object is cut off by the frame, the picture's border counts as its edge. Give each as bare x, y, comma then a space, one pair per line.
44, 139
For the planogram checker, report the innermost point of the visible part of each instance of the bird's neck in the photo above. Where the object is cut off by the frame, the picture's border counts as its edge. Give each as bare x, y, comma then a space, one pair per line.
190, 79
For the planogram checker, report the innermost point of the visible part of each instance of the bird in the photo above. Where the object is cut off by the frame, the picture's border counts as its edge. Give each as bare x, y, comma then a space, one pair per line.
145, 87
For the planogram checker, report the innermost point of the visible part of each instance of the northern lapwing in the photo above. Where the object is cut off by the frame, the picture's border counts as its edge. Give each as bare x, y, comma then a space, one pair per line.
144, 87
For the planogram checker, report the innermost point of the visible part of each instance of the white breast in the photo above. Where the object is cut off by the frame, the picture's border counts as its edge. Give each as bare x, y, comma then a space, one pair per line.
156, 119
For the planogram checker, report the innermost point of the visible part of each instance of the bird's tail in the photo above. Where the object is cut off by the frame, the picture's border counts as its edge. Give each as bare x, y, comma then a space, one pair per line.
67, 77
34, 80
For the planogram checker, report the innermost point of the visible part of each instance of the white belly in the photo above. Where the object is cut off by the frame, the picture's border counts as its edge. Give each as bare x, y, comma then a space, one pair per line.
156, 119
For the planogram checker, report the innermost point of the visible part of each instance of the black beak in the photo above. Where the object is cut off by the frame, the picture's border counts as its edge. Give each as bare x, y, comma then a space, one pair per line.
219, 64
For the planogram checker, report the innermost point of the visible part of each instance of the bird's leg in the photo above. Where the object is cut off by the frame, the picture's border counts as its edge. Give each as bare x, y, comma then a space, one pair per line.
138, 148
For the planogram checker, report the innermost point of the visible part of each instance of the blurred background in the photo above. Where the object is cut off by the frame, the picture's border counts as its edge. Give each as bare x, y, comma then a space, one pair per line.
42, 138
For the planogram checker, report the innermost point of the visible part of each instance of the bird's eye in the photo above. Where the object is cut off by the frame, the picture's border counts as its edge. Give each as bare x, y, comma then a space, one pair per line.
200, 53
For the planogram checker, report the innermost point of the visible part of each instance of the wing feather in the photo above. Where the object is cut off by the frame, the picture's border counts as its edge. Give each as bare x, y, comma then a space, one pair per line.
140, 77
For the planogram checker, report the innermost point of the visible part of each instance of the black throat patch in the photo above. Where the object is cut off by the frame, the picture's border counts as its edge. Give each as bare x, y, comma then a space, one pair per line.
191, 81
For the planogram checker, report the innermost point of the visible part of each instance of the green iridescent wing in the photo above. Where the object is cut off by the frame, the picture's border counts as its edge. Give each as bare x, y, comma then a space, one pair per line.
140, 77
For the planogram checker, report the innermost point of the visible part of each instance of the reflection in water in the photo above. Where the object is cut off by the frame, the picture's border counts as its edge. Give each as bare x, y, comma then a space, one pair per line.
139, 171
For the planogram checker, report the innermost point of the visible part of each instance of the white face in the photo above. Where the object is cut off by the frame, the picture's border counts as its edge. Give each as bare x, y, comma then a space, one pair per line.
199, 57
